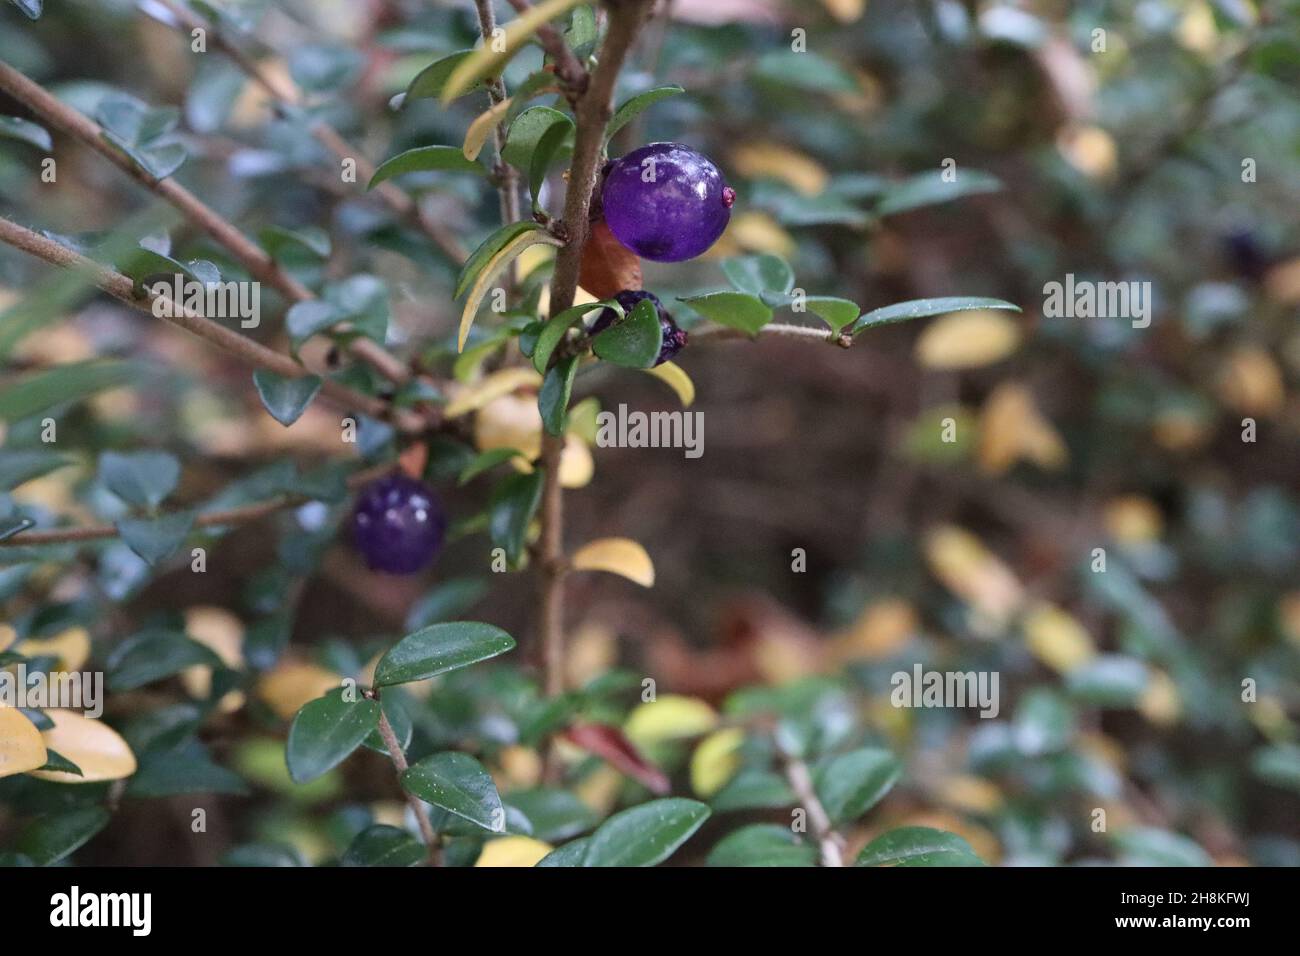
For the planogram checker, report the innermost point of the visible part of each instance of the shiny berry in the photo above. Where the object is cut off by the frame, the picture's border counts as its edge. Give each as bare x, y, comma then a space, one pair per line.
398, 524
674, 338
666, 202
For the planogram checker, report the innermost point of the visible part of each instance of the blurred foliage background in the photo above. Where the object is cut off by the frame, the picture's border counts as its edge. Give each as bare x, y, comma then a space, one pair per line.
1111, 156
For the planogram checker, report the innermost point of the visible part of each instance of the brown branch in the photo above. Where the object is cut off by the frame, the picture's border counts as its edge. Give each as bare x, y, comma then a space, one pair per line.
829, 843
256, 260
398, 757
247, 350
571, 73
397, 199
722, 333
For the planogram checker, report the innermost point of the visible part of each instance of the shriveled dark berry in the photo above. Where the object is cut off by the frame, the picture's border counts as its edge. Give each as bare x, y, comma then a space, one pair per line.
398, 524
666, 202
674, 338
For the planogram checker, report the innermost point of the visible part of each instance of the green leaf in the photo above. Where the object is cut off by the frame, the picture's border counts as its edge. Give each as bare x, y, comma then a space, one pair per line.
572, 853
762, 844
428, 83
555, 814
61, 385
1278, 765
32, 8
452, 597
736, 310
753, 789
440, 648
142, 478
262, 855
527, 131
512, 506
143, 133
285, 398
552, 332
1151, 846
173, 773
25, 131
918, 846
491, 60
759, 274
633, 341
426, 159
23, 464
305, 319
927, 189
56, 761
544, 157
629, 110
805, 71
382, 845
153, 655
154, 539
1111, 680
645, 835
553, 399
851, 784
486, 462
920, 308
326, 731
486, 250
50, 838
837, 313
457, 783
14, 524
276, 240
582, 33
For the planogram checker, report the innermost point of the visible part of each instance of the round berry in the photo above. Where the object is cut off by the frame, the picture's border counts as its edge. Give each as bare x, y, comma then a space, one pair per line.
674, 338
398, 524
666, 202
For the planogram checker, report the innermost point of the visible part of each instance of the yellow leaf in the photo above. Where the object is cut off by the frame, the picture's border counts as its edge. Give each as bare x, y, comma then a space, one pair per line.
510, 421
1196, 31
967, 340
617, 556
753, 231
583, 419
676, 379
513, 851
881, 630
576, 465
482, 128
1056, 638
93, 746
489, 275
592, 651
290, 684
1132, 519
519, 767
846, 11
71, 647
1160, 702
1251, 382
716, 761
669, 717
21, 746
487, 61
222, 633
775, 161
970, 793
1012, 428
486, 390
973, 573
1089, 149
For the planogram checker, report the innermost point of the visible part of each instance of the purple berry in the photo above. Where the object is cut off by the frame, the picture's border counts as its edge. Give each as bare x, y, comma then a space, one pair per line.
666, 202
674, 338
398, 524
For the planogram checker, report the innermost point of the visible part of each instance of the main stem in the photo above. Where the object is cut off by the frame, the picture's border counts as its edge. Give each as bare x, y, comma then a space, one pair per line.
593, 108
829, 842
398, 756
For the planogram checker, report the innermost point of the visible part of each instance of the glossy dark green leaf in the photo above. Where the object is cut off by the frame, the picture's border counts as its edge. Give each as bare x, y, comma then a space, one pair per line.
851, 784
155, 539
382, 845
457, 783
527, 130
543, 158
169, 774
553, 398
837, 313
426, 159
555, 815
645, 835
486, 462
143, 478
759, 273
918, 846
428, 83
511, 509
572, 853
638, 104
278, 240
633, 341
56, 761
553, 331
25, 131
440, 648
762, 844
919, 308
753, 789
50, 838
153, 655
326, 731
285, 398
737, 310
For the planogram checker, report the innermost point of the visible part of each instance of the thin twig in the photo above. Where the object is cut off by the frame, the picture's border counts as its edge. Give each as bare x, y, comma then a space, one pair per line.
247, 350
722, 333
507, 178
829, 842
572, 74
398, 757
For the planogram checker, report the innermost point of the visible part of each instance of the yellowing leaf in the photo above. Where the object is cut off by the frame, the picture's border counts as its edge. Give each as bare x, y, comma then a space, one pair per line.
617, 556
1012, 428
489, 275
1132, 519
753, 231
21, 746
670, 717
290, 684
577, 466
967, 340
71, 647
511, 421
1251, 382
676, 379
520, 767
482, 128
775, 161
473, 397
970, 793
846, 11
973, 573
513, 851
716, 761
1089, 149
222, 633
1196, 30
881, 630
92, 745
1056, 638
492, 57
